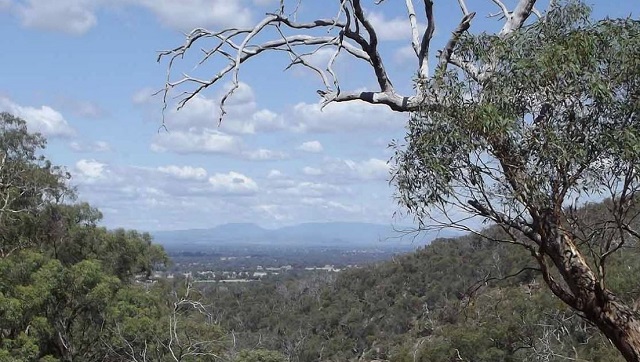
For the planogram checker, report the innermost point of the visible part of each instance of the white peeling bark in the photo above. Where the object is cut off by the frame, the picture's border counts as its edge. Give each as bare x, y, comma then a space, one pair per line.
516, 19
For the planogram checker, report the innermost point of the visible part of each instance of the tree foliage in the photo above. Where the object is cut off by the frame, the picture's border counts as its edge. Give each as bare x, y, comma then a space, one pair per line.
71, 290
28, 182
554, 126
557, 119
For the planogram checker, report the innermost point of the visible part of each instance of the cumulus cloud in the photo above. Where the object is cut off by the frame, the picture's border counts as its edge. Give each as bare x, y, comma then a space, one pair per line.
184, 172
166, 197
263, 154
318, 202
370, 169
348, 171
143, 95
188, 196
76, 17
206, 141
45, 119
188, 14
274, 174
405, 55
311, 171
233, 183
195, 141
243, 115
311, 146
392, 29
346, 116
195, 129
311, 189
90, 169
97, 146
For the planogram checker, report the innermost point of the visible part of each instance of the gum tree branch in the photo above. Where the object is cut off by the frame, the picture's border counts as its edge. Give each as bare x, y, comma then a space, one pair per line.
350, 32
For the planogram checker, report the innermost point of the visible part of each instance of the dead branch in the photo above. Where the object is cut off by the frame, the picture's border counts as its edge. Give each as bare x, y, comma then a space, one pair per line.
350, 32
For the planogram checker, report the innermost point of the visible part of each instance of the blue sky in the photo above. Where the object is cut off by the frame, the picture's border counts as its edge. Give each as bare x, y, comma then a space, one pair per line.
82, 72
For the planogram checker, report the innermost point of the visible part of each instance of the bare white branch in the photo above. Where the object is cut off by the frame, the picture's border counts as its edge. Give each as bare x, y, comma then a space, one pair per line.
463, 7
536, 12
350, 32
516, 19
413, 22
503, 8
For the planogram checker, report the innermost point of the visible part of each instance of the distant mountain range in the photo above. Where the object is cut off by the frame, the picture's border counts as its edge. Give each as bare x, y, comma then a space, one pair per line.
329, 234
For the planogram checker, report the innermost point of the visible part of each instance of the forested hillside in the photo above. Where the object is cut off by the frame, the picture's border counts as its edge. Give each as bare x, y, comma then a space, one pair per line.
71, 290
455, 300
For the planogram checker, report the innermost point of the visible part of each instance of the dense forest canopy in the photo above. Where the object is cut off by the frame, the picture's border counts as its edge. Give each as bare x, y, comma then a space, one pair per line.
67, 285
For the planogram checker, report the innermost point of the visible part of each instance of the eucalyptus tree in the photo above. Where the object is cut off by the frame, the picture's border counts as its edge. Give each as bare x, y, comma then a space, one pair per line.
521, 128
28, 182
554, 127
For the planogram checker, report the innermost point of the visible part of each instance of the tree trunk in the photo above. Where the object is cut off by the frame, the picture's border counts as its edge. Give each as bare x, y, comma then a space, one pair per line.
620, 324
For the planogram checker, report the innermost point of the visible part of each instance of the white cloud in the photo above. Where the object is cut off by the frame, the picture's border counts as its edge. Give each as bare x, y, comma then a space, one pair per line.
371, 169
311, 146
194, 141
274, 174
165, 197
45, 119
273, 212
405, 55
188, 14
266, 120
347, 171
5, 4
243, 116
90, 169
321, 57
346, 116
195, 128
392, 29
184, 172
143, 95
265, 2
310, 171
264, 155
207, 141
98, 146
311, 189
179, 196
318, 202
233, 183
74, 17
